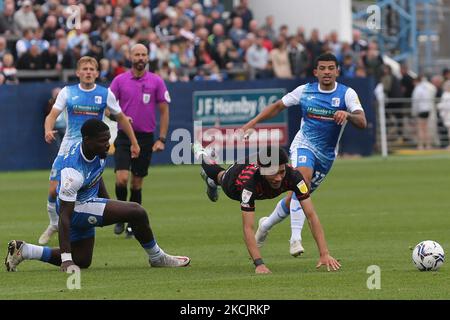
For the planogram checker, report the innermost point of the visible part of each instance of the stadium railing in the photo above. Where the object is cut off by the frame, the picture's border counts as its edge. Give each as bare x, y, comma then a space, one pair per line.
60, 75
388, 138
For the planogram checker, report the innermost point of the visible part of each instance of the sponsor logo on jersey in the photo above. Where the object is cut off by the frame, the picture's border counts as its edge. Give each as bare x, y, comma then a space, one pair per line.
302, 159
75, 97
246, 195
98, 99
320, 113
335, 102
92, 220
302, 187
146, 97
86, 110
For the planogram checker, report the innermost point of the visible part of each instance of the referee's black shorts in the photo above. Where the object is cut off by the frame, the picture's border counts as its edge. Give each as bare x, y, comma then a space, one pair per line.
122, 154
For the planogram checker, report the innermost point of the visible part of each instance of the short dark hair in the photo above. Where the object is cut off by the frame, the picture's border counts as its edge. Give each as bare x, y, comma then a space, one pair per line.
327, 56
265, 156
92, 127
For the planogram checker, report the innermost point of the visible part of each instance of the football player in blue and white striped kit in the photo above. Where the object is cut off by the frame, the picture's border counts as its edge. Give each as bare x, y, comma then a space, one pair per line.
83, 204
326, 107
80, 102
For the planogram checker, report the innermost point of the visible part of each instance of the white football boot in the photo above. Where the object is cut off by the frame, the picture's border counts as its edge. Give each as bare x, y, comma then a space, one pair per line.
296, 248
260, 236
14, 255
166, 260
47, 234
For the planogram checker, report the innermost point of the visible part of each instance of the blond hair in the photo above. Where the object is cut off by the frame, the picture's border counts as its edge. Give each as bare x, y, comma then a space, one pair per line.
87, 59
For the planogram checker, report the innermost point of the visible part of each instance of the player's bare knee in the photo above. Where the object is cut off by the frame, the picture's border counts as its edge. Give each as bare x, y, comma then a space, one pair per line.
84, 264
137, 212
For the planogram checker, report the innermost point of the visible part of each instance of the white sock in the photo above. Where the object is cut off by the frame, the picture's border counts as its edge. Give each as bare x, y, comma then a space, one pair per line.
153, 250
297, 219
32, 252
279, 214
53, 216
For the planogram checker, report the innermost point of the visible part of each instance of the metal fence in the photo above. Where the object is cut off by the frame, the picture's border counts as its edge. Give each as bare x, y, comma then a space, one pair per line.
398, 128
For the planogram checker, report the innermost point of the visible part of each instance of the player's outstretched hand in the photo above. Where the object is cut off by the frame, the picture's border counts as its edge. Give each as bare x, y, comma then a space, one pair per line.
66, 264
262, 269
50, 136
331, 263
340, 117
135, 150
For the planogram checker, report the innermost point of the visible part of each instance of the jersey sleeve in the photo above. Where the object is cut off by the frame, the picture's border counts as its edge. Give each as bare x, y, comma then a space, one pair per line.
61, 99
293, 97
162, 94
352, 101
114, 87
112, 103
300, 187
248, 198
71, 181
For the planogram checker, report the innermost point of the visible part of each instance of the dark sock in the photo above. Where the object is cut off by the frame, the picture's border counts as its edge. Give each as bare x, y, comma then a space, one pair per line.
136, 195
121, 193
212, 170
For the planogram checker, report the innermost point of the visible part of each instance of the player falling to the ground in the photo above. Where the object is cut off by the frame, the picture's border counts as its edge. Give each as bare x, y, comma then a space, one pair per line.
326, 106
83, 204
257, 181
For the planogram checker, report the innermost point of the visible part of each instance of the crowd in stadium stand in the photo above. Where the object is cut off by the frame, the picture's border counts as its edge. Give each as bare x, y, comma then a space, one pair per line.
187, 40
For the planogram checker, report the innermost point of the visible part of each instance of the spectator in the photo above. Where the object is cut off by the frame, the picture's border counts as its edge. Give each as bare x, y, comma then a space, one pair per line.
257, 58
39, 41
359, 46
65, 57
315, 48
437, 82
24, 43
31, 60
422, 104
373, 61
298, 57
243, 11
222, 57
50, 58
163, 29
236, 32
348, 67
3, 49
269, 28
50, 26
7, 70
334, 44
25, 17
8, 26
392, 89
444, 108
143, 11
280, 61
218, 35
215, 5
105, 74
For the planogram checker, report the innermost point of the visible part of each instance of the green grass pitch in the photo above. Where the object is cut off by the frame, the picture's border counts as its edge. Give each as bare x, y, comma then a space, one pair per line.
372, 210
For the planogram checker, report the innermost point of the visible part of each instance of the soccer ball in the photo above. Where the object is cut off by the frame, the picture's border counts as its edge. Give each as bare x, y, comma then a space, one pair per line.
428, 256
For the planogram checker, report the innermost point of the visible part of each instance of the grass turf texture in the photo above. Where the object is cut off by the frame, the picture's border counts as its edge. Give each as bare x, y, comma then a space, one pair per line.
372, 210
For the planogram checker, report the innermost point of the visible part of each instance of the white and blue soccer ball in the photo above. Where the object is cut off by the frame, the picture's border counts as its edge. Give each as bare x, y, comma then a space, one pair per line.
428, 256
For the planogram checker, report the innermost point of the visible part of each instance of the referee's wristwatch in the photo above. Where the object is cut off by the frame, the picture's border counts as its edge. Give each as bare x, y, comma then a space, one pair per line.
162, 139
